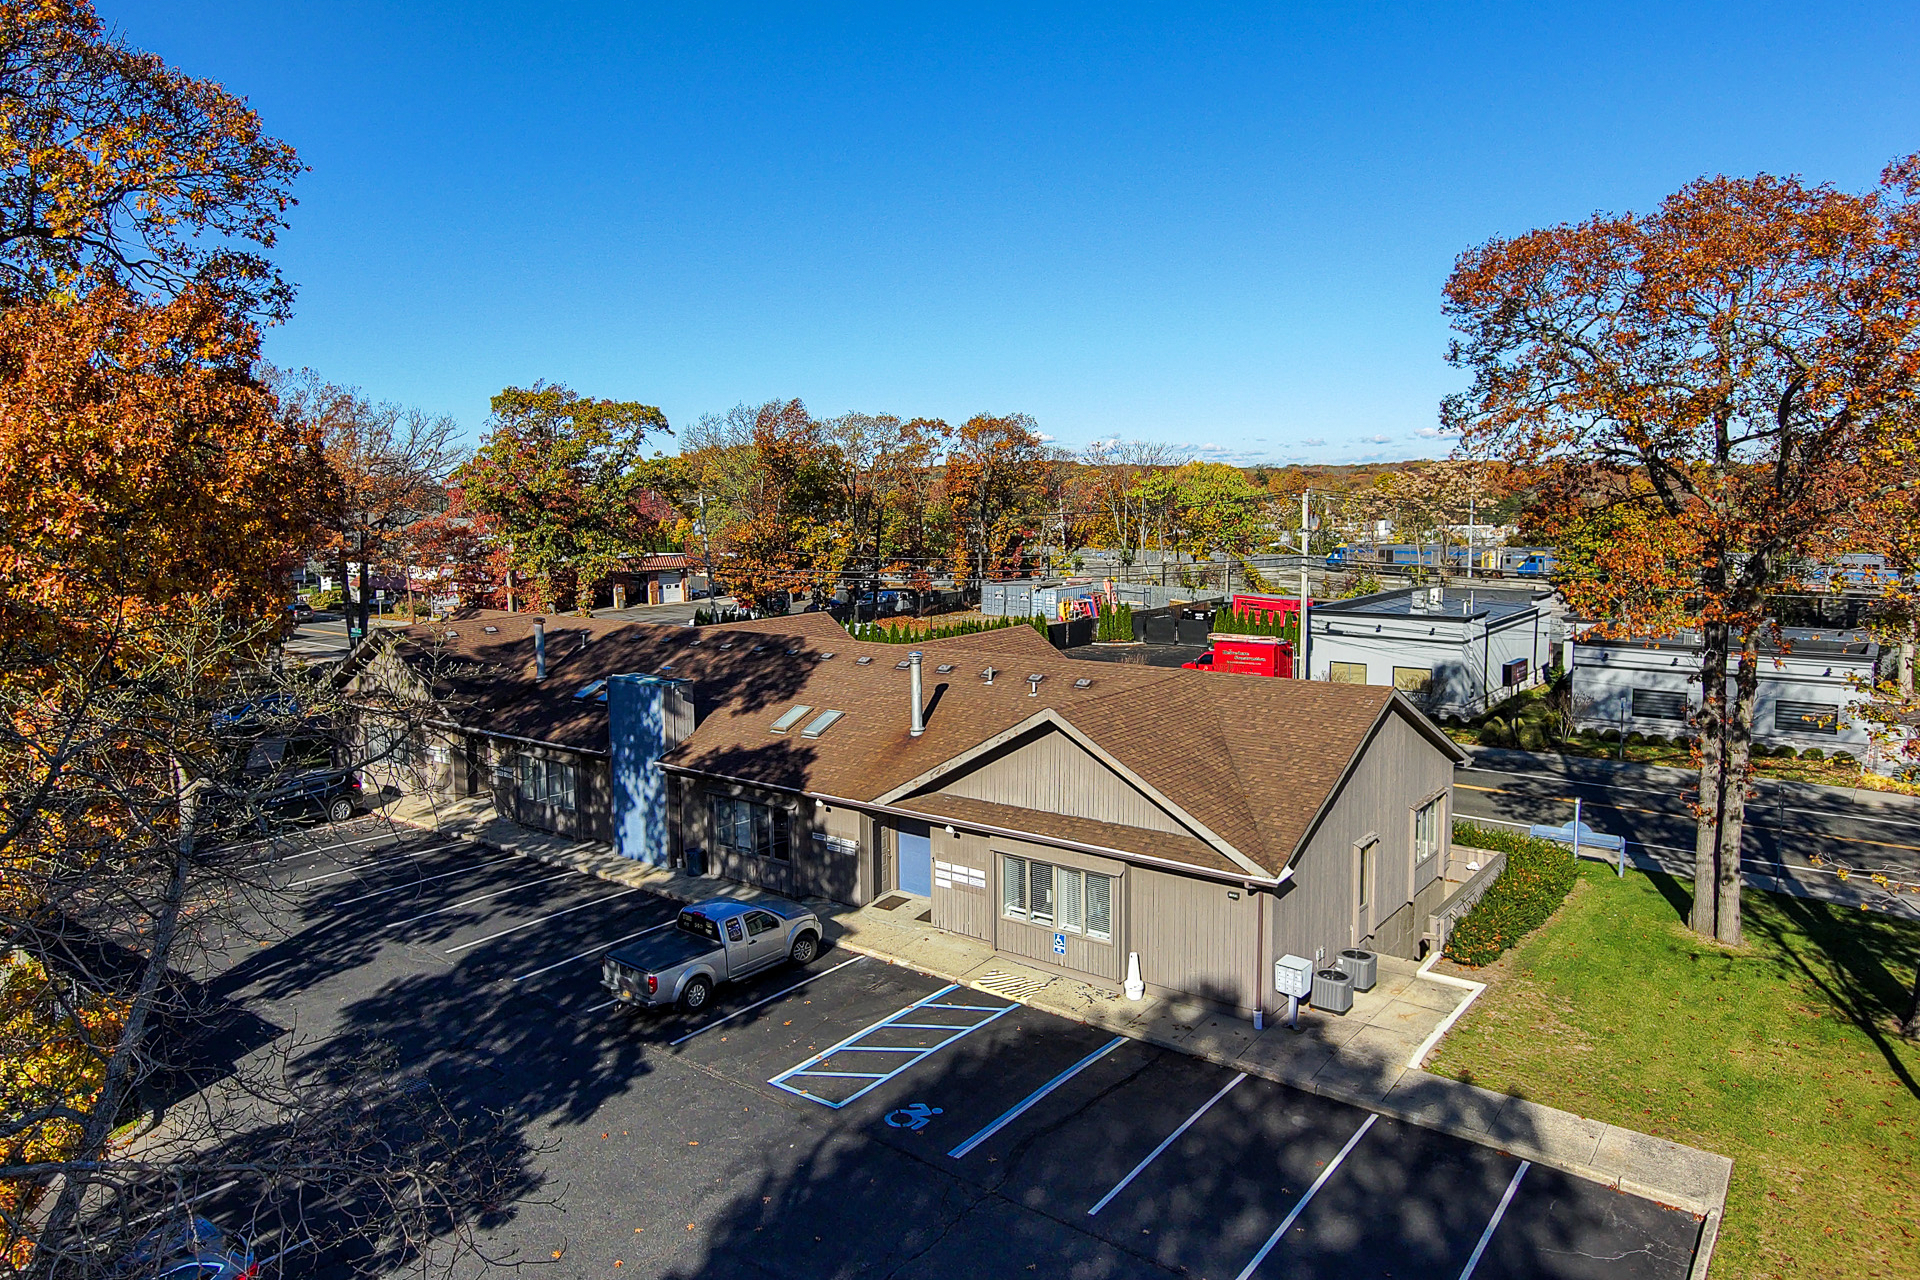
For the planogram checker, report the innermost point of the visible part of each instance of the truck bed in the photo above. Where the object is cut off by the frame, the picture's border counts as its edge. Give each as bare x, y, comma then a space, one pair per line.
662, 951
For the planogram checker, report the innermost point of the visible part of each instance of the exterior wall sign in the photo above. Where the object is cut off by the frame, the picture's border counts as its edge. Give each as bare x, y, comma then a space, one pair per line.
838, 844
1059, 944
948, 875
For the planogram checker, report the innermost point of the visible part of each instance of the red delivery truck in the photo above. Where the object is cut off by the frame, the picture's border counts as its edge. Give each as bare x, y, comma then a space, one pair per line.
1247, 655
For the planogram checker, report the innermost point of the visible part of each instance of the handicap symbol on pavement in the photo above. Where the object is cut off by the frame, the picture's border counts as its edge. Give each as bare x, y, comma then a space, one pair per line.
1059, 944
912, 1116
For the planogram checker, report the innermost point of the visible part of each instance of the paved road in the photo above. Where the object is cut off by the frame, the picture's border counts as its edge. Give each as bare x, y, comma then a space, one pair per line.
1788, 827
854, 1117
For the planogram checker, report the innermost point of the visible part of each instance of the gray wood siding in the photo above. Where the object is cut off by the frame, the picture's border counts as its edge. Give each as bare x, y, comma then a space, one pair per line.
958, 904
1315, 911
1086, 957
1054, 774
1192, 938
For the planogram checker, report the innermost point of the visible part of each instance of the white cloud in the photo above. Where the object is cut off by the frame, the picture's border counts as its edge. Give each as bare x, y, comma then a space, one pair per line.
1434, 433
1045, 438
1314, 444
1377, 439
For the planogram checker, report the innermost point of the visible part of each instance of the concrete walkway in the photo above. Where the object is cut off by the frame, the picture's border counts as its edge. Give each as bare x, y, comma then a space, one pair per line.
1368, 1057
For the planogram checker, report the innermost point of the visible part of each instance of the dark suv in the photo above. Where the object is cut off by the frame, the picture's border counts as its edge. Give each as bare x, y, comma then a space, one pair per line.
293, 773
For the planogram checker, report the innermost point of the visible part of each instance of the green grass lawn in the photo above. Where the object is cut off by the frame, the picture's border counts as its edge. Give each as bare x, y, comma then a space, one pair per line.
1783, 1054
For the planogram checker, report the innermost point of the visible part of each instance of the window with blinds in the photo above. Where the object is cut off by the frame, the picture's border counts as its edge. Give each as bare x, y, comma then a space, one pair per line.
1062, 898
1659, 704
1805, 717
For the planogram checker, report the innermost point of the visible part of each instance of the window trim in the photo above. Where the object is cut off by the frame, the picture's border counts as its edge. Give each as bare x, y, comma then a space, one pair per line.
1067, 910
1425, 686
778, 826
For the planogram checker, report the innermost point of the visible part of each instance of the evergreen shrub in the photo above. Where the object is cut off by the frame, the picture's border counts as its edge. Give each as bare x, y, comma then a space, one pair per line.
1535, 881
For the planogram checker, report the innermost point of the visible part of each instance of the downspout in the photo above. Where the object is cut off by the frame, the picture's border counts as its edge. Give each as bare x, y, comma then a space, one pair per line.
1259, 948
539, 648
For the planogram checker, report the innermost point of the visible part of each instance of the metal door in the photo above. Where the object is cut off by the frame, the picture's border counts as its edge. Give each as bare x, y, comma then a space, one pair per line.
915, 843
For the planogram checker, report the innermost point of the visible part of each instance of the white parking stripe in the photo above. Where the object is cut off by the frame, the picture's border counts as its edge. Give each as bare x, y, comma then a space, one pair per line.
1036, 1095
655, 928
1494, 1221
542, 920
775, 996
1312, 1191
353, 867
414, 884
482, 897
1166, 1142
346, 844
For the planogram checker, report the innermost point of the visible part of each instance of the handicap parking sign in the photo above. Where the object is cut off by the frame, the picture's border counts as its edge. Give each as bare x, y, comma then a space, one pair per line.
1059, 944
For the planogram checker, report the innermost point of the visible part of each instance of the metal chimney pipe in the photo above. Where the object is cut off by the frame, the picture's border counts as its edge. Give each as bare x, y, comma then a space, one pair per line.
913, 670
539, 648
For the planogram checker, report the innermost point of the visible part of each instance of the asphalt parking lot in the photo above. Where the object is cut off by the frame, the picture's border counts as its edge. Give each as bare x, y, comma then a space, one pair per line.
856, 1118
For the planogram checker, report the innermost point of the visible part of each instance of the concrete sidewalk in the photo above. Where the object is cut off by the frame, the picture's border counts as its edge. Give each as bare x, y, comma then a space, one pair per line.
1368, 1057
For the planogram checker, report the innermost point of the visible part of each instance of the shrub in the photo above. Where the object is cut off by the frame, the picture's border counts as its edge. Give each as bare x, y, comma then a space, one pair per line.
1530, 735
1537, 877
1813, 753
1636, 739
1494, 733
1609, 735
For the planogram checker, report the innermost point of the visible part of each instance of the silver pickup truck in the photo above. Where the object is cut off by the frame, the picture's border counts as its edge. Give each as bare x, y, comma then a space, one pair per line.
711, 943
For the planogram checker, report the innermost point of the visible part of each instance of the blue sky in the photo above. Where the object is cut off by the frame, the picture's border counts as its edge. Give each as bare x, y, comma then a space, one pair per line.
1226, 229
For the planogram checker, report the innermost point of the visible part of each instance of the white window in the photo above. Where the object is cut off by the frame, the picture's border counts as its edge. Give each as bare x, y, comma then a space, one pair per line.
1062, 898
1426, 831
545, 781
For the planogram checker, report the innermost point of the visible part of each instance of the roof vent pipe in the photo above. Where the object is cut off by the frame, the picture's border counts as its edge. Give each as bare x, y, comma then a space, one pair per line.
913, 670
539, 648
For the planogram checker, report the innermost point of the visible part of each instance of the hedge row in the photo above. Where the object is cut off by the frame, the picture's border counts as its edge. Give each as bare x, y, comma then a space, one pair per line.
1538, 875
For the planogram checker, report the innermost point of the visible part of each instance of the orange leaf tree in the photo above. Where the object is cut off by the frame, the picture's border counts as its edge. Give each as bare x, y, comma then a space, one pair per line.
1739, 367
996, 486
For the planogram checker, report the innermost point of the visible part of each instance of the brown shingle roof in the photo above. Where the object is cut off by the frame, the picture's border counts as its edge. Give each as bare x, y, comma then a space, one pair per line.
1248, 759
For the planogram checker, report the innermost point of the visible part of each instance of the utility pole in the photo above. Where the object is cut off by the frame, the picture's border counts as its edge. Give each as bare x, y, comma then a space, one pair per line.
1469, 535
1306, 547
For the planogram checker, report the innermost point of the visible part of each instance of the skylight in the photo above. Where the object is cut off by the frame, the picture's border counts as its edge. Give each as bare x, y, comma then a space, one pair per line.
491, 630
861, 662
945, 668
1083, 683
821, 723
828, 654
791, 716
588, 690
901, 665
727, 645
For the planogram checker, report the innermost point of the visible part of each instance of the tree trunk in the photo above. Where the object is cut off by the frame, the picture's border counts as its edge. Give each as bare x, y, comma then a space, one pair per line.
1733, 805
1713, 726
366, 598
125, 1053
1910, 1025
1906, 665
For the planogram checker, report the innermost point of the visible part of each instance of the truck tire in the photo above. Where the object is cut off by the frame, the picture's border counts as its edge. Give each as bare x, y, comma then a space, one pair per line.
805, 948
695, 995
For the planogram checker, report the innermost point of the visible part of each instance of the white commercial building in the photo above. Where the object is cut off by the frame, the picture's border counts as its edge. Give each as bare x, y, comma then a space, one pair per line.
1454, 650
1808, 695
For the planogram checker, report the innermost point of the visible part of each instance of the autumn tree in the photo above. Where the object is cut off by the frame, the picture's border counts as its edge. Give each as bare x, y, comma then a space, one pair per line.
775, 495
151, 499
1741, 366
561, 475
120, 170
1114, 471
879, 461
995, 486
390, 467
